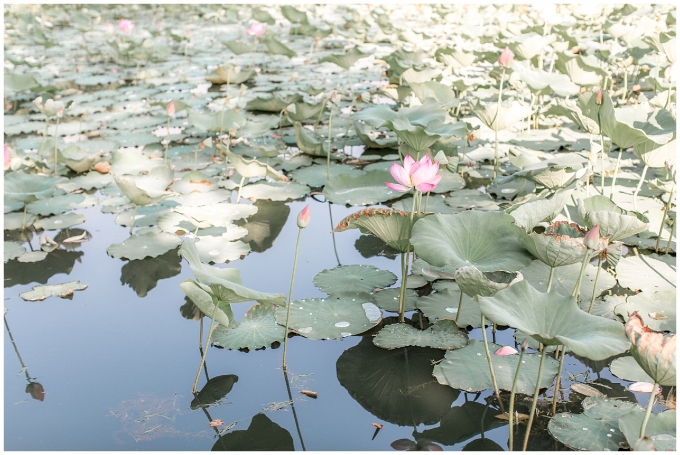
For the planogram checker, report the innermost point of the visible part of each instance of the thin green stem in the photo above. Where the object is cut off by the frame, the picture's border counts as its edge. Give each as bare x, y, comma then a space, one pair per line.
550, 278
328, 152
665, 212
290, 298
599, 124
402, 288
488, 358
23, 220
200, 334
495, 156
167, 142
511, 411
240, 185
597, 275
207, 344
639, 185
650, 405
535, 400
558, 383
668, 245
577, 288
616, 170
460, 306
134, 215
318, 119
56, 136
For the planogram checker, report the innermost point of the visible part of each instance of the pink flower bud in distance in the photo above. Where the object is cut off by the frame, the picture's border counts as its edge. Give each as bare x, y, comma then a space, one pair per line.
592, 238
303, 218
506, 350
170, 109
506, 57
598, 97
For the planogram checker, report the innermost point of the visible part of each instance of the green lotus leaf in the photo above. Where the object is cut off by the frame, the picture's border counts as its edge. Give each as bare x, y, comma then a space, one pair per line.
12, 250
272, 103
195, 182
92, 180
658, 309
376, 116
423, 115
315, 175
373, 138
529, 214
32, 256
364, 189
560, 244
353, 278
436, 204
431, 89
627, 368
217, 214
468, 369
239, 47
462, 423
60, 204
11, 205
309, 144
214, 391
16, 220
554, 319
596, 429
223, 121
388, 299
18, 83
654, 351
144, 192
544, 83
655, 155
498, 117
75, 157
564, 280
230, 74
254, 168
274, 191
257, 330
221, 249
132, 163
662, 423
262, 435
146, 216
395, 386
65, 291
467, 199
28, 187
473, 282
336, 316
553, 177
141, 246
528, 45
484, 240
615, 222
60, 221
455, 57
444, 334
444, 305
347, 59
646, 273
275, 47
202, 299
661, 442
304, 111
569, 109
581, 71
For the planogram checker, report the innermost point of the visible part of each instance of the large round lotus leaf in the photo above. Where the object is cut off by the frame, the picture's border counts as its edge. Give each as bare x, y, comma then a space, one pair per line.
614, 221
134, 139
388, 299
28, 187
336, 316
262, 435
146, 216
142, 246
391, 226
61, 204
92, 180
627, 368
436, 204
658, 309
60, 221
275, 191
65, 291
485, 240
275, 47
201, 199
220, 121
217, 214
469, 199
654, 351
364, 189
220, 249
473, 282
16, 220
32, 256
347, 59
662, 423
395, 386
498, 117
444, 305
353, 278
443, 334
468, 369
655, 155
315, 176
529, 214
257, 330
214, 391
11, 206
13, 250
560, 244
205, 303
240, 47
646, 273
554, 319
564, 279
596, 429
462, 423
450, 181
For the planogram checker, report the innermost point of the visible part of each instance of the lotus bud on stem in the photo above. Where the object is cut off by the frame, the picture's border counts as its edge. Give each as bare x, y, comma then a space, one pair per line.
598, 101
505, 61
535, 399
511, 411
303, 219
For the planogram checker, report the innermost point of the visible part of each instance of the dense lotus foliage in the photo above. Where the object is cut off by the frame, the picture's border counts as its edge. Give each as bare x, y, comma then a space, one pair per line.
519, 160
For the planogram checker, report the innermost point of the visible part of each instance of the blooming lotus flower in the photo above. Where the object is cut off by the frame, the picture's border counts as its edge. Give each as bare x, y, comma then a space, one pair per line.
421, 175
506, 350
126, 25
303, 218
592, 238
256, 29
506, 57
170, 109
643, 387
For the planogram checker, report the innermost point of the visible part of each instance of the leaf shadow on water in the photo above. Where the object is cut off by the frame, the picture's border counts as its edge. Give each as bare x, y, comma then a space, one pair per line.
370, 246
265, 226
262, 435
142, 275
58, 261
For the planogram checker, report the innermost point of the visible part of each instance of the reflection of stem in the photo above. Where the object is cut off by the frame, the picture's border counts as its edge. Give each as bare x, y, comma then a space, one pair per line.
23, 366
512, 397
650, 405
292, 406
290, 299
558, 384
330, 212
535, 400
639, 185
488, 358
460, 306
134, 215
597, 275
550, 278
207, 345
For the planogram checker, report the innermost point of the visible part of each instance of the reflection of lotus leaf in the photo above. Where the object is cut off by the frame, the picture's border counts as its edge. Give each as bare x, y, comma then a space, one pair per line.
353, 278
443, 334
58, 261
396, 386
265, 225
262, 435
462, 423
258, 329
215, 389
141, 246
143, 275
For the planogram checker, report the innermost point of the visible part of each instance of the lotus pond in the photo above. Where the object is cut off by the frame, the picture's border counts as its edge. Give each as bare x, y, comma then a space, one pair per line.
432, 227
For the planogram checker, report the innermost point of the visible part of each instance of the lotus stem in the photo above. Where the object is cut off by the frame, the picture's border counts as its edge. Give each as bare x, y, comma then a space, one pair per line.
292, 406
200, 337
577, 289
511, 411
495, 155
488, 358
290, 298
650, 405
167, 143
427, 200
668, 245
535, 400
460, 306
558, 384
639, 185
335, 248
550, 278
328, 153
318, 119
134, 215
599, 125
56, 136
23, 220
240, 185
351, 108
402, 288
625, 85
207, 344
597, 275
665, 212
616, 170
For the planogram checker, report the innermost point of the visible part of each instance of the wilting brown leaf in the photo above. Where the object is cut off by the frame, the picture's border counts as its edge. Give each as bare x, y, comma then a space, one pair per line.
377, 425
103, 167
518, 418
586, 390
309, 393
216, 423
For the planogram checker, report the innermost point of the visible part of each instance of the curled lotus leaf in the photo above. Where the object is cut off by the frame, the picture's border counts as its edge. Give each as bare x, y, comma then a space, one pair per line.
654, 351
347, 59
140, 196
473, 282
529, 214
207, 303
230, 75
498, 117
615, 222
254, 168
28, 187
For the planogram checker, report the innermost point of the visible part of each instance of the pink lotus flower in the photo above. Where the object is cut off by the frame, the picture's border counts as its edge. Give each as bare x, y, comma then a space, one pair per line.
592, 238
643, 387
421, 175
126, 25
598, 97
506, 350
303, 218
170, 109
8, 158
256, 29
216, 423
506, 57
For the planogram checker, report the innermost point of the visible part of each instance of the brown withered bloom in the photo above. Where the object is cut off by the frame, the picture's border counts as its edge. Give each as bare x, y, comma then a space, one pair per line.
654, 351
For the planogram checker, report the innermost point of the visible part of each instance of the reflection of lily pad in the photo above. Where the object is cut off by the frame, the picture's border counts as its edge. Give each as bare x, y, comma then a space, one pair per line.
13, 250
215, 389
462, 423
65, 291
443, 334
265, 225
142, 246
364, 189
58, 261
262, 435
353, 278
258, 329
143, 275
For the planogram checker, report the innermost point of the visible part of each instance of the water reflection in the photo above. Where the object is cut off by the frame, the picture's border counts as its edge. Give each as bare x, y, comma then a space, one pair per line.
190, 311
410, 446
265, 225
214, 391
370, 246
262, 434
142, 275
396, 386
58, 261
463, 422
35, 389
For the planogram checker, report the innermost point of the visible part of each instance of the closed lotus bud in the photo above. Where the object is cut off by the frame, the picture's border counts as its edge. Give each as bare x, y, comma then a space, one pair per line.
598, 97
525, 344
592, 238
170, 109
506, 57
636, 88
303, 218
36, 390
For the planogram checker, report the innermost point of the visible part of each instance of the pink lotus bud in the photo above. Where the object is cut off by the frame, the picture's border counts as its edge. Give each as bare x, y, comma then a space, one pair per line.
303, 218
592, 238
125, 25
506, 350
643, 387
170, 109
506, 57
598, 97
8, 158
256, 29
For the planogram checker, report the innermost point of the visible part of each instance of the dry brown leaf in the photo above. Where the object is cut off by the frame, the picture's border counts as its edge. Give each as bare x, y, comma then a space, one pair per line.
309, 393
103, 167
77, 238
377, 425
586, 390
518, 418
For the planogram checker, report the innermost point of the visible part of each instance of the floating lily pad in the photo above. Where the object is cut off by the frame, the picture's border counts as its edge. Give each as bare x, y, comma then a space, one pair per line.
364, 189
13, 250
258, 329
15, 220
354, 278
275, 191
61, 204
315, 176
658, 309
142, 246
388, 299
214, 391
468, 369
202, 199
60, 221
221, 249
92, 180
645, 273
32, 256
444, 334
217, 214
627, 368
336, 316
65, 291
444, 305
